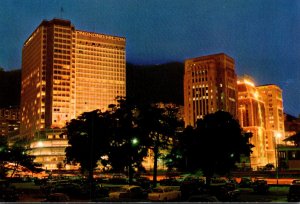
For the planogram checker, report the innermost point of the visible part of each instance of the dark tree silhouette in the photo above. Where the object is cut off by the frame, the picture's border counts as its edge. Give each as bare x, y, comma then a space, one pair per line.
214, 146
158, 127
180, 156
88, 137
127, 148
221, 144
3, 156
18, 155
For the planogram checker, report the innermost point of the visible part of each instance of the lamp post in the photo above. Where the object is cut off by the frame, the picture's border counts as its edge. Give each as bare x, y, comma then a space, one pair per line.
133, 143
277, 137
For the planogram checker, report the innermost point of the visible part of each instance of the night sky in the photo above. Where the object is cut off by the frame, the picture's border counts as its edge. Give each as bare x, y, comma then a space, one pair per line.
261, 35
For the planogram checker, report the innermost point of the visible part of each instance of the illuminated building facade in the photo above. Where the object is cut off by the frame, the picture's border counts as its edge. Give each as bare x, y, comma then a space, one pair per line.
9, 121
252, 118
66, 72
272, 97
210, 84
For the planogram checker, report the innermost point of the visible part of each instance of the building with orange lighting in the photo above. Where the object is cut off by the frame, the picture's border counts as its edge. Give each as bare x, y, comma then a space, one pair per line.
260, 110
275, 132
252, 118
9, 121
66, 72
209, 86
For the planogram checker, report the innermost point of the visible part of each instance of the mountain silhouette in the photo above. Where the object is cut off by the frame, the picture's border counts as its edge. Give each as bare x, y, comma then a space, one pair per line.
155, 83
10, 88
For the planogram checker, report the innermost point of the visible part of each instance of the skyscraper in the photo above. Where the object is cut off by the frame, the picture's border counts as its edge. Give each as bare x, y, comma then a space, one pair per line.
272, 97
252, 118
210, 84
66, 72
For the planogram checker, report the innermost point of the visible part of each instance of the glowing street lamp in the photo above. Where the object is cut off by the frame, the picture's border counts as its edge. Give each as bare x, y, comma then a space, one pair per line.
134, 141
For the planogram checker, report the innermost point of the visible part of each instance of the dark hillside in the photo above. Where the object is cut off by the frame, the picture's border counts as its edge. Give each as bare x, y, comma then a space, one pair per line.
155, 83
10, 88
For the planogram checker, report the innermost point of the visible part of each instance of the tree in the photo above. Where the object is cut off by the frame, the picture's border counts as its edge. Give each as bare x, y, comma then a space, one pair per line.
3, 156
88, 137
182, 153
159, 126
18, 154
127, 148
214, 146
222, 143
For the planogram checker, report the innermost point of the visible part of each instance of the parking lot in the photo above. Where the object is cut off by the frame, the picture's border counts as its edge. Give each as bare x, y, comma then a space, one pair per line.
33, 193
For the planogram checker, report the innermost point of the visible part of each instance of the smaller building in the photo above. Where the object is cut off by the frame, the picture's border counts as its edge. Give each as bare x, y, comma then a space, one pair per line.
288, 157
210, 85
49, 147
9, 121
275, 132
252, 118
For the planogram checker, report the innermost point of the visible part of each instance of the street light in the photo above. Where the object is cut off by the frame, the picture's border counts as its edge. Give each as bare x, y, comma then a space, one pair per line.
133, 142
277, 137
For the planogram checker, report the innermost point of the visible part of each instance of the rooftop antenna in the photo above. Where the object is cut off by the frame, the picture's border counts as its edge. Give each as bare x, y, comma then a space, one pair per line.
61, 12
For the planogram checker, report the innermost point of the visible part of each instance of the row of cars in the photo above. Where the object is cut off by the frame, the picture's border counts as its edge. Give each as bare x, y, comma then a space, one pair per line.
75, 189
66, 191
190, 188
259, 185
132, 193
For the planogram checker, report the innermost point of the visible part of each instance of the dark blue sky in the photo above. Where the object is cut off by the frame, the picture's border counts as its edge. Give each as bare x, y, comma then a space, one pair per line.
263, 36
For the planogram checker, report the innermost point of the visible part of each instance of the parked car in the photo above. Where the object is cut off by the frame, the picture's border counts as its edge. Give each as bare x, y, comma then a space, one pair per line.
245, 182
57, 197
143, 182
296, 181
294, 193
260, 186
164, 193
191, 186
225, 192
128, 192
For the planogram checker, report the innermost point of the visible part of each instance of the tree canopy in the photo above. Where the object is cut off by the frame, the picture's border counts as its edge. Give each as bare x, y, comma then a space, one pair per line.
120, 137
18, 155
88, 137
159, 126
214, 146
